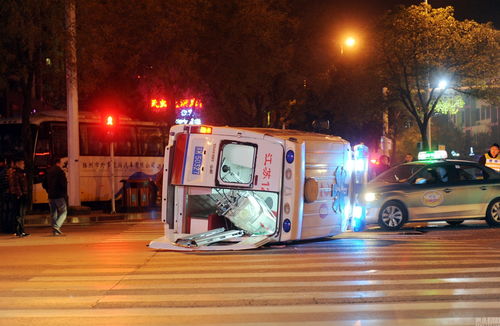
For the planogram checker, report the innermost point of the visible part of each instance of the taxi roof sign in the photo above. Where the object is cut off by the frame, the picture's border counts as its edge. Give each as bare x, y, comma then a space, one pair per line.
432, 155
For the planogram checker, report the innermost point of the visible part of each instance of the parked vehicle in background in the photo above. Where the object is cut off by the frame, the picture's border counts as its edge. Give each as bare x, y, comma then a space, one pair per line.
431, 190
139, 149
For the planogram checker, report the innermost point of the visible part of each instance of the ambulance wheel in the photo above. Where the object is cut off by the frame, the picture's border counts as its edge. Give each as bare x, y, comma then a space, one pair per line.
454, 222
493, 213
392, 216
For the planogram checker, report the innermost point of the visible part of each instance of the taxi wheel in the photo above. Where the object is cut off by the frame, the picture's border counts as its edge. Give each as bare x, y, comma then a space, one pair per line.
392, 216
493, 213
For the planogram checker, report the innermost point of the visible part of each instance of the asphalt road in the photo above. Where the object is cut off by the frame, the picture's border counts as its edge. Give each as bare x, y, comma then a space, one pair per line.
103, 274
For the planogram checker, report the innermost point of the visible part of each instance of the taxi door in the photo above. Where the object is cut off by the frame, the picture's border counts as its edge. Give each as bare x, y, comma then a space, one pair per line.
432, 196
468, 192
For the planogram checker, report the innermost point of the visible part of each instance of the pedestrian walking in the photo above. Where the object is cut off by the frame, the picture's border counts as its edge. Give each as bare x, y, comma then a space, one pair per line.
56, 185
18, 190
492, 158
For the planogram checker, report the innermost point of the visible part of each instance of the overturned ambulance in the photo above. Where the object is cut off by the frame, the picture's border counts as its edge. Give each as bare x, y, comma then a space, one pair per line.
251, 186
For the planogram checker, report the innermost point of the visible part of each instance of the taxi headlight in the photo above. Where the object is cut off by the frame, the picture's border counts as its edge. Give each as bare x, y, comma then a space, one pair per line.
370, 196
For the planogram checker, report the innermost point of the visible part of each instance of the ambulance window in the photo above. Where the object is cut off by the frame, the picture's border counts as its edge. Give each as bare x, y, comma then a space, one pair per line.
237, 163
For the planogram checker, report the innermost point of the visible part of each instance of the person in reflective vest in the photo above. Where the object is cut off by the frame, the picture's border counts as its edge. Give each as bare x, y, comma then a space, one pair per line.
492, 158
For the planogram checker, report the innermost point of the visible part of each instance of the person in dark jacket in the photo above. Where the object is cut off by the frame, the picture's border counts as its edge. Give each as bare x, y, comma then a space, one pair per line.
56, 185
408, 158
383, 164
8, 215
18, 190
4, 187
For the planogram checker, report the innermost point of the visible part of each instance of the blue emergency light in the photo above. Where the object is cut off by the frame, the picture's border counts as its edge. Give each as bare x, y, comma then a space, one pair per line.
287, 225
358, 218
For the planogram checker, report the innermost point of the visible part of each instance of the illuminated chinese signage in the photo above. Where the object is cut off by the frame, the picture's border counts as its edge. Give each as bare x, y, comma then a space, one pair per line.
187, 110
161, 104
158, 104
188, 103
187, 116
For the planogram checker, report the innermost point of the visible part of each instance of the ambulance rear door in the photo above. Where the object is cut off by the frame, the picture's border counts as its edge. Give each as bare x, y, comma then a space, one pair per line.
210, 166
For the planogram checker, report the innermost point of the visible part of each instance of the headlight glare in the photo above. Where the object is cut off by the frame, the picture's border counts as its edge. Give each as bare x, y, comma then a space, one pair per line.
370, 196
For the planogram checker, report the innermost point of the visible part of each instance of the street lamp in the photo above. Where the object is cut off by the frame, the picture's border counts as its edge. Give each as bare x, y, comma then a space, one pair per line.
348, 42
442, 84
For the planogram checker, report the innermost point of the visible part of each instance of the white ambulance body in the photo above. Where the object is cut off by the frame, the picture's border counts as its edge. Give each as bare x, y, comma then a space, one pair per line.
275, 185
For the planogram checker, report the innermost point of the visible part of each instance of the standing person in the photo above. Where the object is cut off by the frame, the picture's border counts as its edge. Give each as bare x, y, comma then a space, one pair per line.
18, 189
56, 185
9, 217
492, 158
408, 158
4, 186
383, 164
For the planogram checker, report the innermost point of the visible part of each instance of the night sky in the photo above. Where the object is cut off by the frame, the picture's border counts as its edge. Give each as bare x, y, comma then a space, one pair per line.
327, 20
334, 15
479, 10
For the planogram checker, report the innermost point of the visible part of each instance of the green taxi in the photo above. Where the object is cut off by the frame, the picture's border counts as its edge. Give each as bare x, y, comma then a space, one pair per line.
433, 190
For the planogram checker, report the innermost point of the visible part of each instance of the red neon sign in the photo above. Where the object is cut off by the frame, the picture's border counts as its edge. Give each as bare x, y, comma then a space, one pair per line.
158, 104
188, 103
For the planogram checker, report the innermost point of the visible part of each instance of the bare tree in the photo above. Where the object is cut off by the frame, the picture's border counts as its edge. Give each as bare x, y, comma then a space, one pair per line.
418, 46
31, 38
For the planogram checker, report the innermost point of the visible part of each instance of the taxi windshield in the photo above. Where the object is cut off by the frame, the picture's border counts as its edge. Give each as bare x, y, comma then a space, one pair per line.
398, 174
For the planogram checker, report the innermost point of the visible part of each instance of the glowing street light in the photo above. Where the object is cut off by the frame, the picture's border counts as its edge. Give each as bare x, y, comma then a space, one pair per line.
442, 84
349, 42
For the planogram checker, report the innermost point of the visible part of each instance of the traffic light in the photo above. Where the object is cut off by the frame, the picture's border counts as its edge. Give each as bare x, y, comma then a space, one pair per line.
109, 122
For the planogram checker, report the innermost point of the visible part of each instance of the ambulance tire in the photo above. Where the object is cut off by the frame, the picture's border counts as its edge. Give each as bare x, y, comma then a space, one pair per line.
454, 222
393, 215
493, 213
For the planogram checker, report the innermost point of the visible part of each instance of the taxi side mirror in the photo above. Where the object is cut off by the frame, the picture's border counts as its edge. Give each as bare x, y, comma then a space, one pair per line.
420, 181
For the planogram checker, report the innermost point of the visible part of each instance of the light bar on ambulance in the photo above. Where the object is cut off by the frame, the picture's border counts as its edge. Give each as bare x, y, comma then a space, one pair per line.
201, 130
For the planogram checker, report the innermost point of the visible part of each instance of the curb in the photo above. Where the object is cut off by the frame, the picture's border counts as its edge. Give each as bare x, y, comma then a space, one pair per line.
45, 220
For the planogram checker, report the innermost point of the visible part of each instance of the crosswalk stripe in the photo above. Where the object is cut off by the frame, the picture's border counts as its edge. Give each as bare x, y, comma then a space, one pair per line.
202, 311
228, 268
335, 282
273, 274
